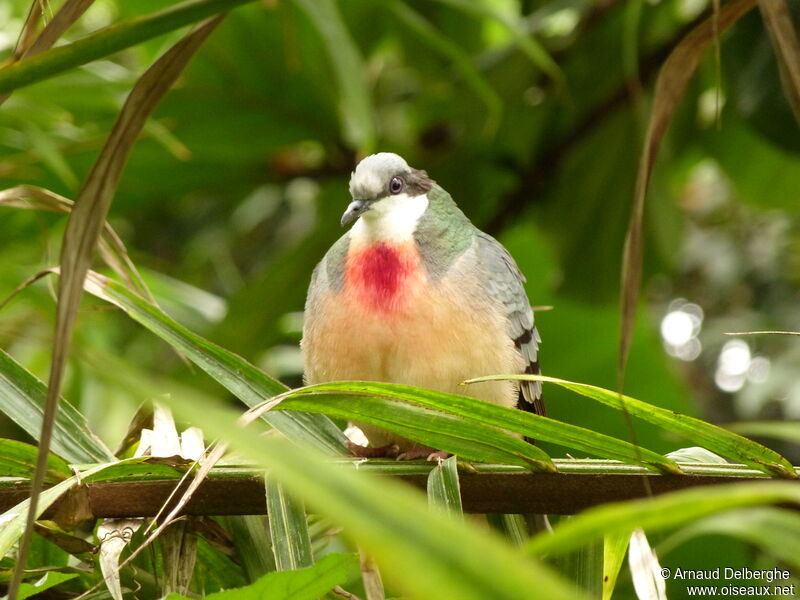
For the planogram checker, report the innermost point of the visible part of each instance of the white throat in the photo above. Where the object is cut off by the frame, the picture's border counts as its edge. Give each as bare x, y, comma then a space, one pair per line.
393, 219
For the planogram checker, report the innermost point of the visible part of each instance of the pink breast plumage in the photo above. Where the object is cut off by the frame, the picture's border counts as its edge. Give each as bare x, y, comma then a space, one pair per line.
379, 275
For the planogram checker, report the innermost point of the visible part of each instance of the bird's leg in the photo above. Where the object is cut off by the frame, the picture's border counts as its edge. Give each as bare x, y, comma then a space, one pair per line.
425, 453
387, 451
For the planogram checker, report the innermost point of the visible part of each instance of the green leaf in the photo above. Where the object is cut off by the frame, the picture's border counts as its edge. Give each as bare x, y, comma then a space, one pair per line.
444, 491
469, 439
779, 430
419, 551
614, 548
661, 512
12, 522
22, 399
711, 437
355, 107
775, 530
303, 584
252, 544
288, 529
49, 580
240, 377
485, 413
18, 459
108, 41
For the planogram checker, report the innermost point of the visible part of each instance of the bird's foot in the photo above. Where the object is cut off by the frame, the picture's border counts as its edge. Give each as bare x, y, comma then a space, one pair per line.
425, 453
387, 451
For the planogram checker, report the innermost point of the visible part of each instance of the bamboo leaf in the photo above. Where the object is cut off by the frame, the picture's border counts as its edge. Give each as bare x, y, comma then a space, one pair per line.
775, 530
288, 529
710, 437
418, 550
69, 12
22, 399
18, 459
109, 40
468, 439
303, 584
778, 21
660, 512
780, 430
444, 491
252, 544
83, 231
671, 84
484, 413
240, 377
615, 546
13, 521
47, 581
355, 106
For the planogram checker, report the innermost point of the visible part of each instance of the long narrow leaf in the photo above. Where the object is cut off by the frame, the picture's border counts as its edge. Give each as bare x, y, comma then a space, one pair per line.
484, 413
719, 440
418, 550
444, 491
288, 528
109, 40
670, 86
465, 438
18, 459
240, 377
83, 231
13, 521
22, 399
660, 512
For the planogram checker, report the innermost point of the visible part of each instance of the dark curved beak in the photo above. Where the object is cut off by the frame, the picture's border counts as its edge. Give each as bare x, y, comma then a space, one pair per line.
354, 210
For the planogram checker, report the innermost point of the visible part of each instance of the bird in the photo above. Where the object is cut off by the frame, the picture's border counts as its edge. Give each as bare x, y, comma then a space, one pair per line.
415, 294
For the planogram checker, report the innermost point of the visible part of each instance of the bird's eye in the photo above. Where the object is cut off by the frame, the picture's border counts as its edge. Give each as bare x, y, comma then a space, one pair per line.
396, 185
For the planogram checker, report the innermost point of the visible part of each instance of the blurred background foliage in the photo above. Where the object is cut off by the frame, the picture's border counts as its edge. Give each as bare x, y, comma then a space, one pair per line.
530, 113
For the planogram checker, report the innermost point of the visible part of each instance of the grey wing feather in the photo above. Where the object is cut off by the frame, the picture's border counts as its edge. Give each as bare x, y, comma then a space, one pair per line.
504, 281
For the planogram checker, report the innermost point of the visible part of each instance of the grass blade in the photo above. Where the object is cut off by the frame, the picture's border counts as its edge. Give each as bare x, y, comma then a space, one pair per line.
83, 231
22, 399
670, 86
288, 529
778, 21
468, 439
484, 413
13, 521
18, 459
775, 530
418, 550
304, 584
444, 491
355, 106
660, 512
615, 546
109, 40
719, 440
780, 430
240, 377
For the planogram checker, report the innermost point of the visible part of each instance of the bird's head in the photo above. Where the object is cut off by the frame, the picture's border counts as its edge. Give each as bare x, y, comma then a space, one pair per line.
383, 185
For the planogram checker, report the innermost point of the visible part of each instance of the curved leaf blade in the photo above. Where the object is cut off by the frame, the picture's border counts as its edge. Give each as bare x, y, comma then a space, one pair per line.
527, 424
719, 440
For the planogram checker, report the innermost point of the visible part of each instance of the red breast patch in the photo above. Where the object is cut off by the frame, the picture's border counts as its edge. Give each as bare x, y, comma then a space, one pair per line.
378, 274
